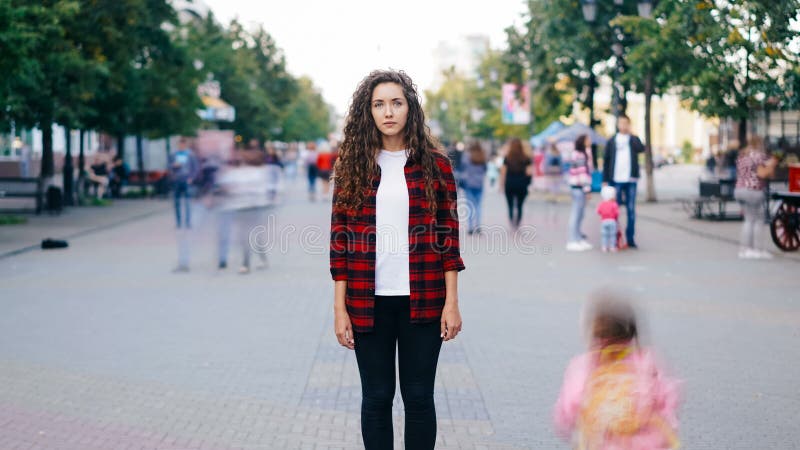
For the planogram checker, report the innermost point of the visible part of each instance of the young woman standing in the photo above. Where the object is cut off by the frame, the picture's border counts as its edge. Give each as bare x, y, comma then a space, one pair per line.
754, 168
580, 184
394, 256
515, 176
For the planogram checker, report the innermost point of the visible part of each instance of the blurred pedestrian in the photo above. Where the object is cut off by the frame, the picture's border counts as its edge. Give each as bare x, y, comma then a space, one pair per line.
291, 159
754, 167
325, 167
580, 184
553, 171
621, 170
274, 167
493, 170
25, 155
244, 205
729, 160
455, 152
97, 174
205, 181
183, 168
312, 172
118, 177
711, 164
223, 182
394, 256
515, 177
608, 210
471, 179
617, 395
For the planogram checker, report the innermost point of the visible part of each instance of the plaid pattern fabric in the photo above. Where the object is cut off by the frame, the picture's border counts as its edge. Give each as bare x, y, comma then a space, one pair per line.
433, 248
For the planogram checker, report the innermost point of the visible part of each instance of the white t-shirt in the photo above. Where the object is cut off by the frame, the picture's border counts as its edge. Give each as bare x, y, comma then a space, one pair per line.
391, 221
622, 160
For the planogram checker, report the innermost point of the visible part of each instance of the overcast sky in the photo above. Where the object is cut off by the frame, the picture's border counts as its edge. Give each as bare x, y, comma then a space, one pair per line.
337, 43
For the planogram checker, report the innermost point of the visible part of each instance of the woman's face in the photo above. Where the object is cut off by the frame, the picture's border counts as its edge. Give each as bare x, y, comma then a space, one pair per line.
588, 142
389, 108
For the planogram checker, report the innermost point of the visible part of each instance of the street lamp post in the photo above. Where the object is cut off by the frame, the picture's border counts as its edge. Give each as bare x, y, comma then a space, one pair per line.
590, 10
645, 10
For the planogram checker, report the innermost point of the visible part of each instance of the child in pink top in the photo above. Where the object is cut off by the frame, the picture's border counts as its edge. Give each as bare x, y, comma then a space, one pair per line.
616, 396
609, 213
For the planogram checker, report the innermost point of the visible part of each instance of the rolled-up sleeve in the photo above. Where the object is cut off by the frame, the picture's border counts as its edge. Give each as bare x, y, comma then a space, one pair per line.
447, 219
338, 243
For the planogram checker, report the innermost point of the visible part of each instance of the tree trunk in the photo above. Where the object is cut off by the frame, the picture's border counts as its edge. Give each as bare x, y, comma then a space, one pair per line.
140, 164
590, 103
743, 132
81, 157
121, 146
68, 168
46, 170
81, 167
648, 147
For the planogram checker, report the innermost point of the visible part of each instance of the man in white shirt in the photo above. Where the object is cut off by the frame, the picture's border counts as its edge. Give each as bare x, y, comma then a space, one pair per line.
621, 170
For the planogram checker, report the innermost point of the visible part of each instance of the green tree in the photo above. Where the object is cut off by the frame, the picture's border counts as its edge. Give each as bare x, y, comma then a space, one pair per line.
308, 117
51, 80
655, 63
451, 104
744, 52
494, 70
149, 85
278, 86
470, 106
170, 92
251, 70
725, 58
17, 40
564, 52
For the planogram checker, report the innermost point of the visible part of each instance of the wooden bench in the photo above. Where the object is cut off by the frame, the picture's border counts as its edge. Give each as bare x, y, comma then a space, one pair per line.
712, 203
22, 188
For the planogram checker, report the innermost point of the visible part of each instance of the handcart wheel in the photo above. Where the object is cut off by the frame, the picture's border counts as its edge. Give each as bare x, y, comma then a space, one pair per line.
785, 228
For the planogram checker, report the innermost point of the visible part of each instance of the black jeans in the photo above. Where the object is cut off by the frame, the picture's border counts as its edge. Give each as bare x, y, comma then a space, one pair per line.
418, 348
515, 196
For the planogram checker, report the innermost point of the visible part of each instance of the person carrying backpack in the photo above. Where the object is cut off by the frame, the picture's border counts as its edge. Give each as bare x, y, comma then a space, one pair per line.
616, 396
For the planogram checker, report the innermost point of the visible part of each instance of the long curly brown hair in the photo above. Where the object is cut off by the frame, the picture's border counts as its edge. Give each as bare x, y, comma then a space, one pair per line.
357, 164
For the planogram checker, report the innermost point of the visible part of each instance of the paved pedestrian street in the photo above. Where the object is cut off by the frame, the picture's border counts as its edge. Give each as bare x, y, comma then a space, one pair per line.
103, 347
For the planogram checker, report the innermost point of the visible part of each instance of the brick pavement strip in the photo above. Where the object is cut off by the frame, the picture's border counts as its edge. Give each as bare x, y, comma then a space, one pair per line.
41, 407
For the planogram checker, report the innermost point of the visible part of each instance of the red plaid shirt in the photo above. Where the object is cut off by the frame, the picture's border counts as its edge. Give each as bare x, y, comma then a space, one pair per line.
432, 240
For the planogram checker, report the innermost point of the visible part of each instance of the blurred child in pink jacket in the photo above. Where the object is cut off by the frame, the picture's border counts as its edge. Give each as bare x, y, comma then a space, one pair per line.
616, 396
608, 210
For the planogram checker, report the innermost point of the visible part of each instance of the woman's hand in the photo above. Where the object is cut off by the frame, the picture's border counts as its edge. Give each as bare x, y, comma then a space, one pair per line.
451, 321
341, 320
767, 170
343, 329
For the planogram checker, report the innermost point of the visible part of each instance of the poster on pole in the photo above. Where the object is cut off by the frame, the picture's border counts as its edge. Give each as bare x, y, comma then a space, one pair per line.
516, 104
